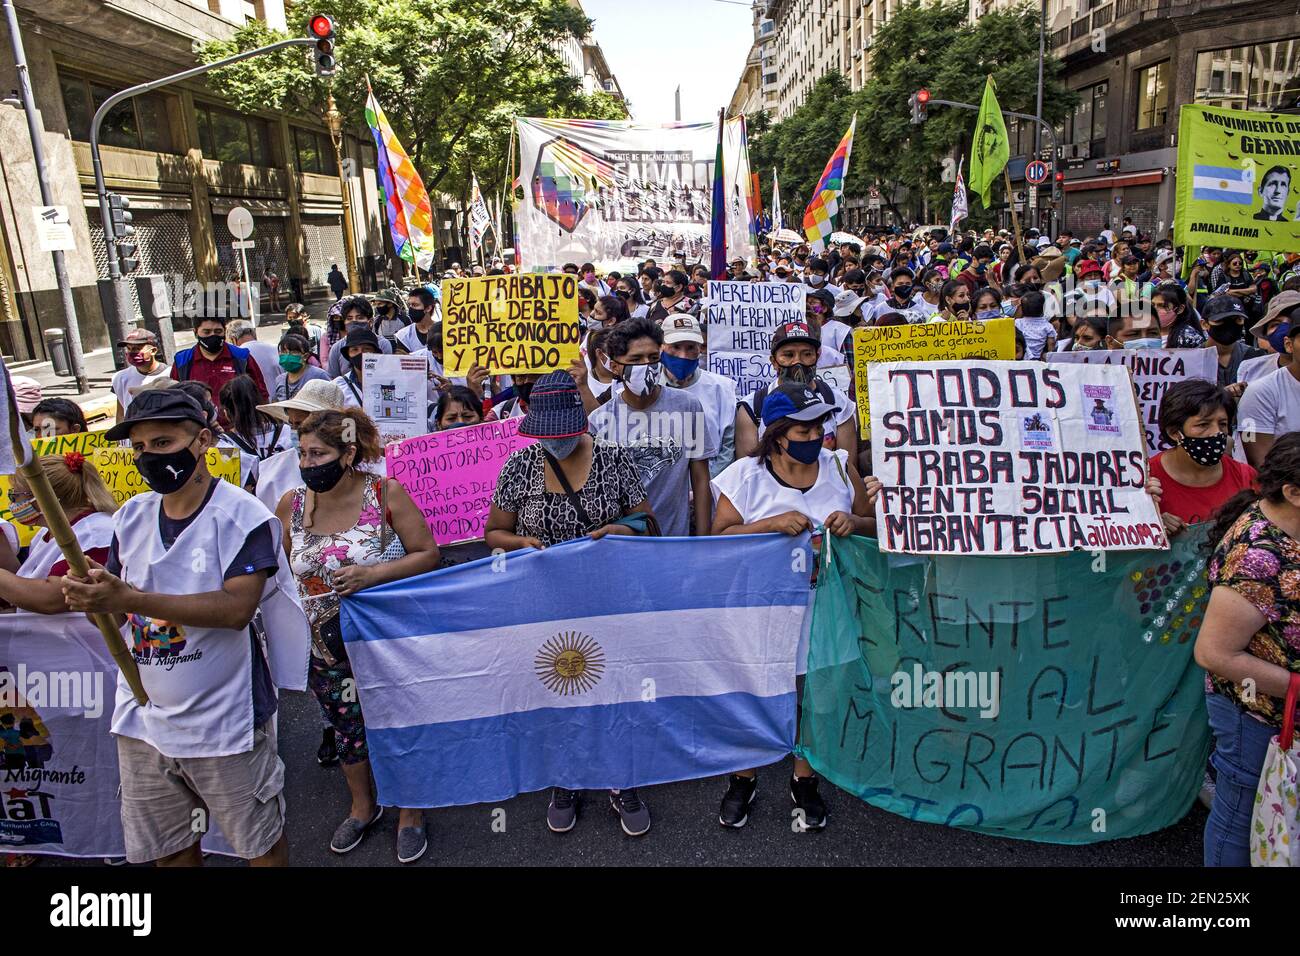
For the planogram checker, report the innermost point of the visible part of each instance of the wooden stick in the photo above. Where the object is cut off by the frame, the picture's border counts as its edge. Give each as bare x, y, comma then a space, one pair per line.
61, 531
1015, 219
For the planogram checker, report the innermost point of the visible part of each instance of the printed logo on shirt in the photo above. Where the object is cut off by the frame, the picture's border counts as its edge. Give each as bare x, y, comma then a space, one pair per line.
158, 643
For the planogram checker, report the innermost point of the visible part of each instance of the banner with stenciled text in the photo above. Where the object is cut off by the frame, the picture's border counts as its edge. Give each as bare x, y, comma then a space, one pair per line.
1153, 371
925, 342
1051, 698
1238, 183
451, 474
606, 191
1009, 458
511, 323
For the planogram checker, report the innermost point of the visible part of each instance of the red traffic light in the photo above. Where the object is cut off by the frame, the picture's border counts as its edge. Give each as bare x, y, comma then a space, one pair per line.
1060, 177
923, 96
322, 26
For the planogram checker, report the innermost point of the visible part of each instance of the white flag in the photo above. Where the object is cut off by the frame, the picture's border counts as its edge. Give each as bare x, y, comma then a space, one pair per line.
959, 207
480, 220
777, 222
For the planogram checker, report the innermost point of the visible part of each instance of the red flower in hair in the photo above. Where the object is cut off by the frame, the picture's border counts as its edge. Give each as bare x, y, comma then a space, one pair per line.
74, 460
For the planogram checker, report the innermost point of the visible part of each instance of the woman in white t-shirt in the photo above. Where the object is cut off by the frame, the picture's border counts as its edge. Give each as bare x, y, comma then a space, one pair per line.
792, 483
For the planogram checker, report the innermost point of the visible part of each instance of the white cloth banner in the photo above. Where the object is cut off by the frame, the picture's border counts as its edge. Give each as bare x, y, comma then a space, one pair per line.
739, 186
609, 191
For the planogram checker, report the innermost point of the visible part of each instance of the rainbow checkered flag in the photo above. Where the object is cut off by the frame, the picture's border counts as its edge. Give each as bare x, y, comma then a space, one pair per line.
410, 214
819, 217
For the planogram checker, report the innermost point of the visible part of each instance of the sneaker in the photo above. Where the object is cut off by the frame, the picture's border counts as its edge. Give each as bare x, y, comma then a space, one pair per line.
633, 815
411, 844
562, 814
736, 802
327, 754
803, 791
352, 831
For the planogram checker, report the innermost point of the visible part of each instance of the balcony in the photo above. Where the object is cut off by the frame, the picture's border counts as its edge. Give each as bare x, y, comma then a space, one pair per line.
1119, 18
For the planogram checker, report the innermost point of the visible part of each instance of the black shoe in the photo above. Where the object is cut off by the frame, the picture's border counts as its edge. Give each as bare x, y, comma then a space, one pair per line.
327, 754
736, 802
632, 812
562, 813
803, 791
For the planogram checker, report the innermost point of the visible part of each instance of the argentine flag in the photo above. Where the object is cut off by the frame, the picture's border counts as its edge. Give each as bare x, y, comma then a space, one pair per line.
1224, 184
616, 663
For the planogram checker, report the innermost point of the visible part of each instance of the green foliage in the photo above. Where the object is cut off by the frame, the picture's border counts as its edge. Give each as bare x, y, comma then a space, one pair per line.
924, 44
449, 74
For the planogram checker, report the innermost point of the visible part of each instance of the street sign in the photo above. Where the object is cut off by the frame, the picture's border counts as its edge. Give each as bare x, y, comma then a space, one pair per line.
1033, 197
1036, 172
240, 222
54, 228
243, 244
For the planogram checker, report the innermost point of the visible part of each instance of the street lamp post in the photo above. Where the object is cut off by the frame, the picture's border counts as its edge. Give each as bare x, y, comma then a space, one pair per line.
334, 120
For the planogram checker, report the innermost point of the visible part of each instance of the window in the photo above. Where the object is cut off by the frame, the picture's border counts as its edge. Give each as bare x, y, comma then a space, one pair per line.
1088, 122
140, 122
1264, 76
233, 137
1153, 95
314, 152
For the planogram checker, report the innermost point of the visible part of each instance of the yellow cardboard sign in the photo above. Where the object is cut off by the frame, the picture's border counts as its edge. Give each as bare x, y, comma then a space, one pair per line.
524, 323
115, 464
926, 342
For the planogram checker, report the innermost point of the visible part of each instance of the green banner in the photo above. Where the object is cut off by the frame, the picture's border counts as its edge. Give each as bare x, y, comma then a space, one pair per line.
1049, 698
1238, 179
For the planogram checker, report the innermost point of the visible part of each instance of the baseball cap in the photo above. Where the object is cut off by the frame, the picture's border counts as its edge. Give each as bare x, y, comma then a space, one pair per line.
794, 332
1086, 268
1222, 308
795, 401
681, 328
158, 405
318, 395
138, 336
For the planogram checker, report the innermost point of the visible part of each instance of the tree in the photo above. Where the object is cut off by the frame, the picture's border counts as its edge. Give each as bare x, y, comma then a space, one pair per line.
450, 75
923, 45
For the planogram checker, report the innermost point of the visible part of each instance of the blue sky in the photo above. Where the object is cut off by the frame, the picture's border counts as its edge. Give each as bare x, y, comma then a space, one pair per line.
652, 47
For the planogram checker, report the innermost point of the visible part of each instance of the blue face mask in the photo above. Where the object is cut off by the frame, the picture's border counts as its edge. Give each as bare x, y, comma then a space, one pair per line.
804, 452
1277, 338
986, 314
679, 368
1008, 309
1142, 344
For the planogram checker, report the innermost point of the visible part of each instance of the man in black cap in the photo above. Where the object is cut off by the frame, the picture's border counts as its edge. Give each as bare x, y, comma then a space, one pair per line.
186, 570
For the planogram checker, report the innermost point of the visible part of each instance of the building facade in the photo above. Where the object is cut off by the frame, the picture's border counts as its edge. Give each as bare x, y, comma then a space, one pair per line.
1133, 63
182, 157
756, 90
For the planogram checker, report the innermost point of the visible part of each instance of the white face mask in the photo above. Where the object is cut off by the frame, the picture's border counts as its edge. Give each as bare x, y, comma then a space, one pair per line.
815, 279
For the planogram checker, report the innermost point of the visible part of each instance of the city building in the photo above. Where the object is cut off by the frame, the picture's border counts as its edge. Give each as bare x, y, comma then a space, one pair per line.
756, 89
1133, 63
182, 157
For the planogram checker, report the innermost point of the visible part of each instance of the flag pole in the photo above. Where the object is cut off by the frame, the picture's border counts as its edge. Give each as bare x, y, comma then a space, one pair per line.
29, 467
1015, 219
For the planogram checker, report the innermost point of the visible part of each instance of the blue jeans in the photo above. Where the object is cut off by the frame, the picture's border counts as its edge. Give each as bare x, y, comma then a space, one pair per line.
1240, 745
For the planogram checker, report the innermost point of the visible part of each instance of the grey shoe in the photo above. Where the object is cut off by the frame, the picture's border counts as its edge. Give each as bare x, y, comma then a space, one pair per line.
411, 844
352, 831
632, 813
562, 813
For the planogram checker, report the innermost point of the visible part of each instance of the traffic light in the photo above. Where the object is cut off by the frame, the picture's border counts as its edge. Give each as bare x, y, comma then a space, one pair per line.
322, 28
1057, 185
919, 101
119, 214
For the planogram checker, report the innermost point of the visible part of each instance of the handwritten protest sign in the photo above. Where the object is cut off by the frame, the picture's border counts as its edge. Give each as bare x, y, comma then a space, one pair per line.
450, 475
1153, 371
395, 395
1059, 703
116, 465
1009, 458
741, 318
516, 323
83, 442
925, 342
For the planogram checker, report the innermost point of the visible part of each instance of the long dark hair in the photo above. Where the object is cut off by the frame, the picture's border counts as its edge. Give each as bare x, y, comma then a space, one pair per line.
1177, 296
239, 399
1281, 467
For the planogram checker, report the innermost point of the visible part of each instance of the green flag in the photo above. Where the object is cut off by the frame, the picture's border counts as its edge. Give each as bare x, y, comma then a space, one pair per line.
991, 148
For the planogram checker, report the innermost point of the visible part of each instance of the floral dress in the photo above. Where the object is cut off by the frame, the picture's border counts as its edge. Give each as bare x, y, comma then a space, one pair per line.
1261, 562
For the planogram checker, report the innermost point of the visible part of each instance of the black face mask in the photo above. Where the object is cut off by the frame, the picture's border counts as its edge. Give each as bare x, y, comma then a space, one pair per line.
623, 294
800, 374
1226, 333
902, 293
523, 391
1206, 451
665, 291
356, 360
165, 472
415, 314
321, 478
212, 343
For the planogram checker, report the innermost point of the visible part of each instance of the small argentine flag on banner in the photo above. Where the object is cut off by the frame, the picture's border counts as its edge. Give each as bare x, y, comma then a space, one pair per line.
617, 663
1224, 184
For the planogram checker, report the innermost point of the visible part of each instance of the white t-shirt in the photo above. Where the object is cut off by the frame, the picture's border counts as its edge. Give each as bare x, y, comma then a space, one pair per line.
834, 333
267, 357
128, 378
1271, 405
1256, 368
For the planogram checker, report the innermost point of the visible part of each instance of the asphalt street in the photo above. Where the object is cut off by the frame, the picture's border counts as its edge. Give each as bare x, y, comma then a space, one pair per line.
685, 828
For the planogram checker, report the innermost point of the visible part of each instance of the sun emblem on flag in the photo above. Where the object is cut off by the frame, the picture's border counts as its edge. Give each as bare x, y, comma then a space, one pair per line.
570, 663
